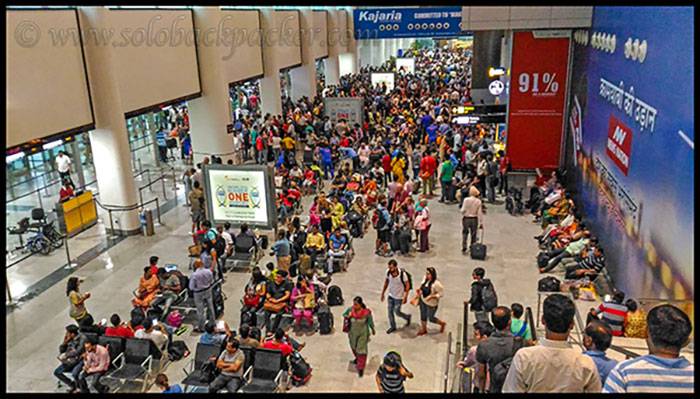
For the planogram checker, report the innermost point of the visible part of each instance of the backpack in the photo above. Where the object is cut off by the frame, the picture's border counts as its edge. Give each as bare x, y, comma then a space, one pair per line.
403, 272
220, 246
178, 350
335, 296
301, 370
489, 297
174, 319
548, 284
499, 372
208, 371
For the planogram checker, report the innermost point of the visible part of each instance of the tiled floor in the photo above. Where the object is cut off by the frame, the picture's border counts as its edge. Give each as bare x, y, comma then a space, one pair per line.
36, 328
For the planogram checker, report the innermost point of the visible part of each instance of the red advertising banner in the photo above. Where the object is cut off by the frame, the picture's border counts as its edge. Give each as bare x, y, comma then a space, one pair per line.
538, 82
619, 146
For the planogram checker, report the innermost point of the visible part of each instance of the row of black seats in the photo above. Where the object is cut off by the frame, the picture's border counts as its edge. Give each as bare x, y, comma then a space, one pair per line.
264, 368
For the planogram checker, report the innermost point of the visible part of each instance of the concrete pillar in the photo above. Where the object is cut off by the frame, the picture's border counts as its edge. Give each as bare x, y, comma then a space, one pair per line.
304, 77
382, 47
270, 93
210, 113
353, 53
110, 140
487, 53
332, 70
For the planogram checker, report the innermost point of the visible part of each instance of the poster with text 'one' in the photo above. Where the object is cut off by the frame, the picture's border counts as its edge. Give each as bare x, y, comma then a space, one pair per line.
537, 98
239, 195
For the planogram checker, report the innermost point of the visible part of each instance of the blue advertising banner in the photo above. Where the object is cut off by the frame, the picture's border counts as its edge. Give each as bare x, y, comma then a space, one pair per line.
389, 23
635, 163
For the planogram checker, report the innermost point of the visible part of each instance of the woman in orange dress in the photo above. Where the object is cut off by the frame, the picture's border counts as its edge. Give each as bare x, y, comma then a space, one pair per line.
149, 286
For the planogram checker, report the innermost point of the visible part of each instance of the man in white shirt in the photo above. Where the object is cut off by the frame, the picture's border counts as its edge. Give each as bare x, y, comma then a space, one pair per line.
397, 281
237, 142
63, 164
554, 365
471, 217
156, 333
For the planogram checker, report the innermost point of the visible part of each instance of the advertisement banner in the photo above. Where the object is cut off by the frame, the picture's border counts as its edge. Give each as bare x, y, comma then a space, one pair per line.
388, 23
405, 65
634, 182
240, 194
537, 98
377, 78
348, 108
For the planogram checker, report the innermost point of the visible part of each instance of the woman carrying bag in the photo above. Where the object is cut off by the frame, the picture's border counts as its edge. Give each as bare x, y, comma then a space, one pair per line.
427, 297
358, 322
422, 224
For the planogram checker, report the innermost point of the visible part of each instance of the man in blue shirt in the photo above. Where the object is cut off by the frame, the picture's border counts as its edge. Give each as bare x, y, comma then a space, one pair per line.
162, 383
215, 337
162, 144
326, 161
432, 133
597, 339
663, 369
200, 285
337, 243
282, 249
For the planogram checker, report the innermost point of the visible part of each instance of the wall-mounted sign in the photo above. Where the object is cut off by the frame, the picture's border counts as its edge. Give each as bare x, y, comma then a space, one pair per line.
466, 120
386, 23
494, 72
496, 87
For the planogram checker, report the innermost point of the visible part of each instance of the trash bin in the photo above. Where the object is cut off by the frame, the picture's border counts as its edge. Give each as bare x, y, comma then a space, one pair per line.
147, 222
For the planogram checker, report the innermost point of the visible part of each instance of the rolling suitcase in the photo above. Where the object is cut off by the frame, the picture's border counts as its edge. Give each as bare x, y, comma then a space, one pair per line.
478, 249
394, 241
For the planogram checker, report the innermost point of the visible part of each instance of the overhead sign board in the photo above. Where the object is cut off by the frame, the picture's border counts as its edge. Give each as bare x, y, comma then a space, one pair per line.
387, 23
496, 87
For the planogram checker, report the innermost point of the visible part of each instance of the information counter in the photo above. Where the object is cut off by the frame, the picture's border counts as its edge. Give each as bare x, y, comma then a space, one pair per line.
77, 214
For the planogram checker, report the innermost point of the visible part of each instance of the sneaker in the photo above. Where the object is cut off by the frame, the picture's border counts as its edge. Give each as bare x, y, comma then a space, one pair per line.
408, 321
390, 330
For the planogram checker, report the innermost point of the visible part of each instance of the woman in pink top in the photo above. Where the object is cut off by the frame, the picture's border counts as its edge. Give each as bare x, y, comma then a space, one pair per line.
422, 224
304, 301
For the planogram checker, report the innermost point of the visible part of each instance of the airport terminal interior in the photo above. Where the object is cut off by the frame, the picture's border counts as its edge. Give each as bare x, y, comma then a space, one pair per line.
330, 199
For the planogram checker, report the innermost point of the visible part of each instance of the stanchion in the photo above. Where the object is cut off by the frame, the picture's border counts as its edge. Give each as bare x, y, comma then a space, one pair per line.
9, 301
158, 209
70, 264
162, 182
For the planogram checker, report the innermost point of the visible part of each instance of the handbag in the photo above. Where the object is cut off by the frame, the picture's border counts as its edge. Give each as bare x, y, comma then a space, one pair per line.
194, 250
309, 302
346, 324
274, 307
414, 301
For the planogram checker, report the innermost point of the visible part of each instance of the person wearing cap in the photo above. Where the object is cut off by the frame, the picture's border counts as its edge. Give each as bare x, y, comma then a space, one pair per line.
392, 374
71, 351
471, 217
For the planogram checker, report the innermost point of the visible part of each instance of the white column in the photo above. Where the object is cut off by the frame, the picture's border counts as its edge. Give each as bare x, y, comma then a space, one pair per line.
210, 113
381, 45
109, 141
304, 77
270, 93
352, 57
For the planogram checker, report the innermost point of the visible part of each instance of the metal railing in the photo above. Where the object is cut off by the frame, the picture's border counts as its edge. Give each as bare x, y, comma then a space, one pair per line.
118, 208
69, 264
628, 353
160, 178
447, 361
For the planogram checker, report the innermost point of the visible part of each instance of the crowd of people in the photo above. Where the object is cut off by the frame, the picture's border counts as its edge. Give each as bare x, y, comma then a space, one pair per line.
380, 174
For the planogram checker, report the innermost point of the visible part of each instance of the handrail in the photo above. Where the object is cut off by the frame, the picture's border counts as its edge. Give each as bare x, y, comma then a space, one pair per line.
628, 353
126, 208
447, 367
530, 319
465, 334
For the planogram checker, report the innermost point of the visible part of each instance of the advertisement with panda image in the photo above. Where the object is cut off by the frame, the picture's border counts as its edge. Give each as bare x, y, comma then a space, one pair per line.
240, 194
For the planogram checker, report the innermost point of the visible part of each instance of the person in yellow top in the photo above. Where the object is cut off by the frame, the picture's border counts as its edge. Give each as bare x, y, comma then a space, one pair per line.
397, 167
337, 212
315, 244
635, 325
288, 143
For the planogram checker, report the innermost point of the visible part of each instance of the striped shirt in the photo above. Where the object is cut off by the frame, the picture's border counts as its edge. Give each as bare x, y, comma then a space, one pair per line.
593, 262
651, 373
613, 314
391, 381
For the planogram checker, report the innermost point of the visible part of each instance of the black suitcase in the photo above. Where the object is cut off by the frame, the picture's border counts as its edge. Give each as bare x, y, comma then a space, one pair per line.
478, 249
405, 241
394, 241
218, 299
325, 320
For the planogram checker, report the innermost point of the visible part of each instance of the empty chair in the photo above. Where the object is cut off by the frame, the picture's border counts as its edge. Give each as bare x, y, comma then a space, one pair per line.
244, 252
266, 373
194, 375
136, 363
